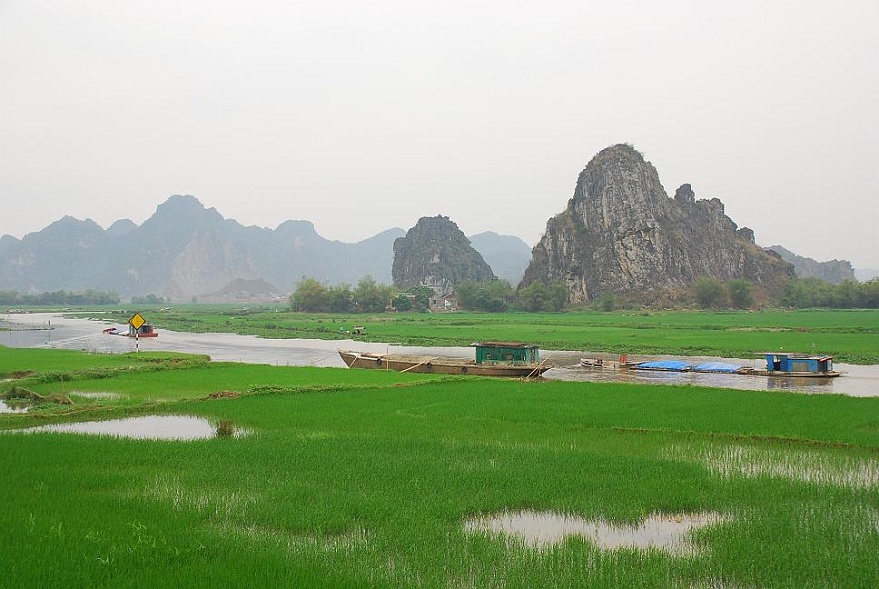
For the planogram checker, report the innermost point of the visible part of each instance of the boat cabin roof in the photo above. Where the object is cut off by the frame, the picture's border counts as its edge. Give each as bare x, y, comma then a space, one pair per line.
502, 345
797, 356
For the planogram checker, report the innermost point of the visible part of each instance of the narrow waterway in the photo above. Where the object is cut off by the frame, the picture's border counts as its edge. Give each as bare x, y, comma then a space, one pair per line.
34, 330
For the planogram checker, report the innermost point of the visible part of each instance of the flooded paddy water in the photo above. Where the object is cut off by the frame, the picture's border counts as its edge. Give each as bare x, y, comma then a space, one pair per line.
151, 427
15, 408
55, 331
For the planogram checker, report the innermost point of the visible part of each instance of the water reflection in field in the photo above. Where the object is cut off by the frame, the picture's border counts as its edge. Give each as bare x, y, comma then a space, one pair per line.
151, 427
4, 408
53, 331
543, 529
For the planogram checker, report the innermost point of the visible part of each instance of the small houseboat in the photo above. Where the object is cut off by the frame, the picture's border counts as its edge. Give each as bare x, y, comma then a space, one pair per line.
792, 364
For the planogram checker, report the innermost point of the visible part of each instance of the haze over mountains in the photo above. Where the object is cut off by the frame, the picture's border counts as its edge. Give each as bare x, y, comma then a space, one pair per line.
620, 233
832, 271
186, 250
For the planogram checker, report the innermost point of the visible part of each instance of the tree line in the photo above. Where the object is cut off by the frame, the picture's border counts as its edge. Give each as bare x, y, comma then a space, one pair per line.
497, 295
58, 298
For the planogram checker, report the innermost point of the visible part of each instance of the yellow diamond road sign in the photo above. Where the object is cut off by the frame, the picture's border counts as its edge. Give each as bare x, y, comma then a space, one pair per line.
136, 321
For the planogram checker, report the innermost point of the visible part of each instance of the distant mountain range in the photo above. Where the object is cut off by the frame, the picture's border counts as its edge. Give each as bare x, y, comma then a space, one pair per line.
833, 271
185, 250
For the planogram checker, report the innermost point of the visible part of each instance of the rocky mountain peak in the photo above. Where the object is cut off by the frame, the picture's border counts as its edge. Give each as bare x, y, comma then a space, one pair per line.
183, 210
437, 253
621, 233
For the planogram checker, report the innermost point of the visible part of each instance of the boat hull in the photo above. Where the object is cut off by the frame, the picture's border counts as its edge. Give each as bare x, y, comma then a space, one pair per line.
438, 365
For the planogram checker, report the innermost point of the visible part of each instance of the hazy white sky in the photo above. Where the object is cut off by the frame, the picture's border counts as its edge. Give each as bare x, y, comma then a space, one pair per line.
365, 115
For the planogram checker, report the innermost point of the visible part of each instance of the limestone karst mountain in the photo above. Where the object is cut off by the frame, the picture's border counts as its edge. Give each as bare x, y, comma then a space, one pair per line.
184, 250
435, 252
832, 271
622, 234
187, 250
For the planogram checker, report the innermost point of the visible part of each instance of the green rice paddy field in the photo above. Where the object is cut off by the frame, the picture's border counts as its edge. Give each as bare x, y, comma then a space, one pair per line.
346, 478
850, 335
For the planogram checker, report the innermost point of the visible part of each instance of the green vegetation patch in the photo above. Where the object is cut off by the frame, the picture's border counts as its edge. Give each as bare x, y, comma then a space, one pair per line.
366, 479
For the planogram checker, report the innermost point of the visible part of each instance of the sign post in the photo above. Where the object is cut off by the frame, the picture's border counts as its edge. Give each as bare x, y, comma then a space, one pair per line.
136, 322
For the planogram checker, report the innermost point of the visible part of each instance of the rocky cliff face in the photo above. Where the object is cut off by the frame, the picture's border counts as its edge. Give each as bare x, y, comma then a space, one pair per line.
833, 271
435, 252
622, 234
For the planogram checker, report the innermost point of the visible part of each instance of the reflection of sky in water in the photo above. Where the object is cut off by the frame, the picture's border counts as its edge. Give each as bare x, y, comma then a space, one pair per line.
540, 529
152, 427
30, 330
4, 408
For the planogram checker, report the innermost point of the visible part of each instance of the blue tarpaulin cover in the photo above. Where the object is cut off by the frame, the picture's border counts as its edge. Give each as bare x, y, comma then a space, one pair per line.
716, 367
664, 365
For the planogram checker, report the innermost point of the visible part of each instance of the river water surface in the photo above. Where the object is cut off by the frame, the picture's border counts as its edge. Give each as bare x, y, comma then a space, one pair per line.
45, 330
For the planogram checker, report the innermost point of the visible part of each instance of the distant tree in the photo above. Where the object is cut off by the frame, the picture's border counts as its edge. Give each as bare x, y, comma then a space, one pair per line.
402, 303
870, 294
465, 292
846, 295
61, 297
556, 296
150, 299
741, 293
808, 293
606, 302
531, 297
490, 296
9, 297
422, 296
708, 292
500, 289
371, 297
310, 296
340, 299
539, 296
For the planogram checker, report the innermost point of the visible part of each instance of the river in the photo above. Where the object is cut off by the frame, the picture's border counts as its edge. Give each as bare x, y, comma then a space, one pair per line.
47, 330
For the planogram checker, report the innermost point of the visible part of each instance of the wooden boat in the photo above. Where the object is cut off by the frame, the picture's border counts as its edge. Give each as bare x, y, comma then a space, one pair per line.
591, 362
492, 359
